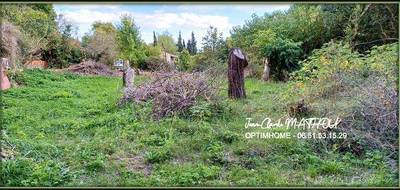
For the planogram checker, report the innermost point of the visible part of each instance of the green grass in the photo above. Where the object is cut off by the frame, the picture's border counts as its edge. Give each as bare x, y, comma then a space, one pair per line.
66, 130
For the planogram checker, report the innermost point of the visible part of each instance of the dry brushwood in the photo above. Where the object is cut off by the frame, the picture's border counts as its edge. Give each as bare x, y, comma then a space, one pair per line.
377, 101
372, 120
172, 92
157, 64
90, 67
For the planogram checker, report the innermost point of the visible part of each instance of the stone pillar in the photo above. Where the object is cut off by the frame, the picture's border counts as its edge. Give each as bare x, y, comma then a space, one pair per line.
267, 70
128, 75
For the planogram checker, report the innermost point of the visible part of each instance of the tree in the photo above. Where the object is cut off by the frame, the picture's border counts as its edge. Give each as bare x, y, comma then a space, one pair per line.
214, 45
69, 50
85, 39
104, 27
102, 44
167, 43
152, 51
42, 34
363, 25
46, 8
214, 54
213, 40
283, 37
37, 27
184, 59
129, 41
284, 55
193, 44
189, 46
65, 27
179, 45
63, 49
154, 39
183, 44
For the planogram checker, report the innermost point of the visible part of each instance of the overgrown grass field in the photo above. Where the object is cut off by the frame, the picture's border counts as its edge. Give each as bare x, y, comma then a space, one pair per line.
62, 129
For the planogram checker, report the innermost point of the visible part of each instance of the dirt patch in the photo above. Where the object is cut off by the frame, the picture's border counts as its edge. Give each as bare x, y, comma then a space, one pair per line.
7, 153
180, 160
137, 163
92, 68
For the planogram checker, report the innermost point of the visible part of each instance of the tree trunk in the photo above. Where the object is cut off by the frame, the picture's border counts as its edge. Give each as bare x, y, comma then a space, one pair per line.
237, 63
267, 70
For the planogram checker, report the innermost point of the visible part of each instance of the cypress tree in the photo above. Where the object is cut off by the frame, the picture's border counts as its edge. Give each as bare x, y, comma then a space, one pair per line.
154, 39
180, 46
193, 44
189, 47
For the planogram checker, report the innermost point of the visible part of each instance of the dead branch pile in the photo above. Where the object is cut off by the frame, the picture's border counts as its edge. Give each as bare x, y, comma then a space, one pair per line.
158, 64
172, 92
91, 67
377, 108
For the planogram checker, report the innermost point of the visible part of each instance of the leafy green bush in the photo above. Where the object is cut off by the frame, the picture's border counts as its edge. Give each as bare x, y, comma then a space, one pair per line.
153, 60
332, 58
158, 155
214, 153
184, 59
63, 51
201, 62
283, 55
201, 111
